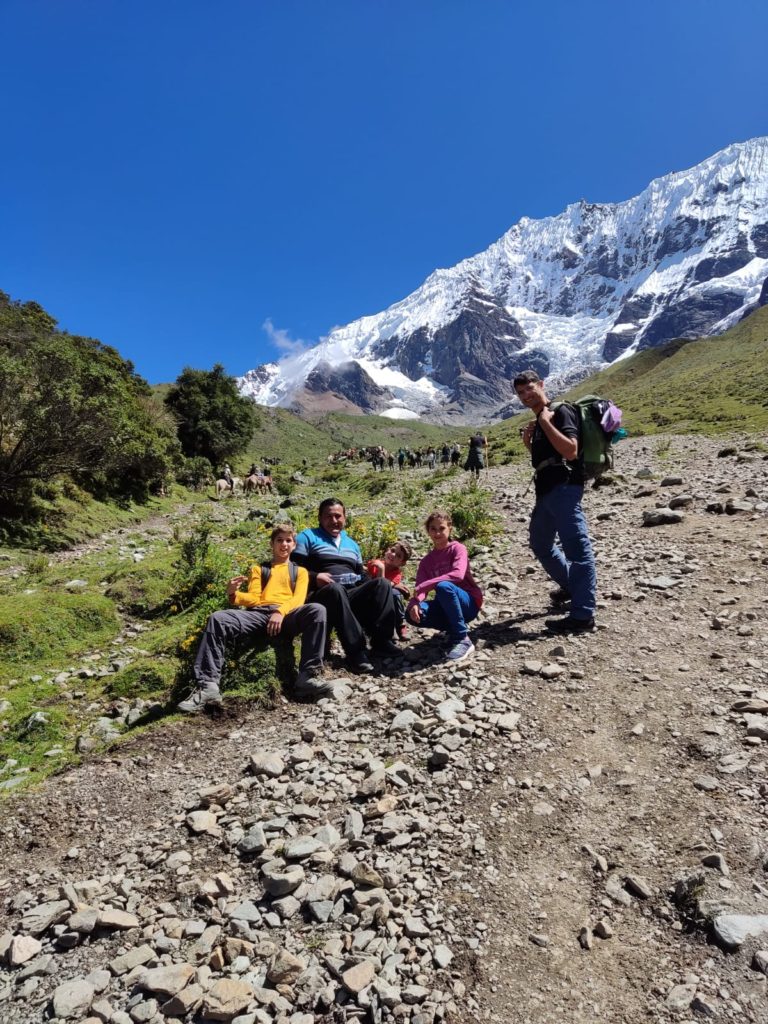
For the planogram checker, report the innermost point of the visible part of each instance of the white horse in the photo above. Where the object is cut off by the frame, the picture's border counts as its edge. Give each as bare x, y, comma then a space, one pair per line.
223, 486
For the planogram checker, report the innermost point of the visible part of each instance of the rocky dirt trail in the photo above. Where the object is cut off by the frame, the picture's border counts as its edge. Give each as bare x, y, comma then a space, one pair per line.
551, 831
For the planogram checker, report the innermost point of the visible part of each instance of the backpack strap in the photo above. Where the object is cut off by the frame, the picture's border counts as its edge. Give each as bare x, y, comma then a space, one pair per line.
266, 572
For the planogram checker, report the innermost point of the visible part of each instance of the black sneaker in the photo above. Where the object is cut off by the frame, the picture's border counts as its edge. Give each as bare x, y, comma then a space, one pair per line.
559, 596
570, 625
360, 663
311, 687
386, 649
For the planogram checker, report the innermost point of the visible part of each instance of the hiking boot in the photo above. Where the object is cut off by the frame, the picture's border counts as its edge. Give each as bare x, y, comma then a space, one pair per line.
570, 625
560, 596
312, 687
360, 663
403, 632
386, 649
208, 696
461, 649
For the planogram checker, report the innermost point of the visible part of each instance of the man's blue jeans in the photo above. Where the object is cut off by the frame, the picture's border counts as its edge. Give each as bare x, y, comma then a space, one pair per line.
572, 564
450, 611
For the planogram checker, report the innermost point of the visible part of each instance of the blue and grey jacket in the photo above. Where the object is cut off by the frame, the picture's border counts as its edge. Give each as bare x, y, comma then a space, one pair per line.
318, 552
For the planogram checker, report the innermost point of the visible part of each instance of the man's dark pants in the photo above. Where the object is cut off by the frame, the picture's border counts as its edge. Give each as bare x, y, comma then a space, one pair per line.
241, 624
367, 607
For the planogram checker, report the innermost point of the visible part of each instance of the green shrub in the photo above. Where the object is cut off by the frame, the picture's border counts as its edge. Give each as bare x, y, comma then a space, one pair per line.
375, 483
146, 677
48, 625
373, 535
202, 570
472, 514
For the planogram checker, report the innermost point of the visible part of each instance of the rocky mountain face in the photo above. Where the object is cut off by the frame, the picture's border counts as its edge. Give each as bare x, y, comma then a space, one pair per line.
688, 257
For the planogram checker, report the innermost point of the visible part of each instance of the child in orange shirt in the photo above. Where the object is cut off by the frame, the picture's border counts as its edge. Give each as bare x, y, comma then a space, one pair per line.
390, 566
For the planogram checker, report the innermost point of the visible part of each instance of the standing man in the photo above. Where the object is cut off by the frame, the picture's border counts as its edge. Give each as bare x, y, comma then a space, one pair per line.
553, 441
355, 606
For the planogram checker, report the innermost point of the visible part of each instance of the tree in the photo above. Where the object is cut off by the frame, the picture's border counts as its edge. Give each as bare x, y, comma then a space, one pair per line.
70, 405
213, 419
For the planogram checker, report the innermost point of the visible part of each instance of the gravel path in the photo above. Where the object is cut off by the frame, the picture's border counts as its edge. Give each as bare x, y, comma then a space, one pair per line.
552, 831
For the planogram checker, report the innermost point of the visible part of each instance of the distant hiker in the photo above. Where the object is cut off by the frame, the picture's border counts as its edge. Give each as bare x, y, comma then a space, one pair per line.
227, 475
553, 441
401, 458
391, 460
272, 606
445, 455
390, 566
431, 458
455, 454
478, 444
355, 606
254, 470
457, 599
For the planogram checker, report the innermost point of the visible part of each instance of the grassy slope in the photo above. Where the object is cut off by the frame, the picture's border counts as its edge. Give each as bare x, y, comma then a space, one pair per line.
707, 386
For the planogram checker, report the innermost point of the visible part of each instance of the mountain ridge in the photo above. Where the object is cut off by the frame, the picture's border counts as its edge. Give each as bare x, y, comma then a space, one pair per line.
686, 257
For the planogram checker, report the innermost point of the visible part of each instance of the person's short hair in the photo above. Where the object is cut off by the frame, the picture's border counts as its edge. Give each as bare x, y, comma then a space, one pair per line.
404, 547
438, 516
282, 528
526, 377
329, 503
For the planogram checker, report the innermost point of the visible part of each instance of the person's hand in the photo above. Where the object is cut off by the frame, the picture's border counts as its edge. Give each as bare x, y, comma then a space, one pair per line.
546, 415
414, 613
323, 579
233, 586
274, 623
377, 567
527, 433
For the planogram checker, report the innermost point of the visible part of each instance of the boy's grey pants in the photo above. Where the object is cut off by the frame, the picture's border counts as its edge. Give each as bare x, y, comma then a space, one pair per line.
243, 623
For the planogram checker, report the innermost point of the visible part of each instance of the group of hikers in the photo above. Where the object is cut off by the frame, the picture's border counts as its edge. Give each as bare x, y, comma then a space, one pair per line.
317, 581
445, 455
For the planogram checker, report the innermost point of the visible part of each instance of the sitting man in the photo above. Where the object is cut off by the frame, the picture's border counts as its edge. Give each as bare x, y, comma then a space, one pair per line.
272, 606
354, 604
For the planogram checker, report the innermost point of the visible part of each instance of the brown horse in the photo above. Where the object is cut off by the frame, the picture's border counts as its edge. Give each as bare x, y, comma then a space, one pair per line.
260, 484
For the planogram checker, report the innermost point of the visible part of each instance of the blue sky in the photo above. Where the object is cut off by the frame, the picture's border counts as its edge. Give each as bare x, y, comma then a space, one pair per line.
176, 175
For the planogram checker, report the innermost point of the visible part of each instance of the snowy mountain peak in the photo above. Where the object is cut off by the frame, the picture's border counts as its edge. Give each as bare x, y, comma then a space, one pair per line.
687, 257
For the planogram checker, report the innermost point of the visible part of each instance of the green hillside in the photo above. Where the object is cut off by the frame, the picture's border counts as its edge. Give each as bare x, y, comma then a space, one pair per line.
711, 385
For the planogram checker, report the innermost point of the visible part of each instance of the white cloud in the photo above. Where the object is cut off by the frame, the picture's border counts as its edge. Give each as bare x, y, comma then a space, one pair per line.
283, 342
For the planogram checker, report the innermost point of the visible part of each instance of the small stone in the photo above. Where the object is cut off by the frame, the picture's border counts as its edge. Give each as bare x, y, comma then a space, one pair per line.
226, 999
136, 957
117, 919
285, 968
22, 949
680, 997
604, 929
202, 821
356, 978
166, 981
267, 763
280, 878
733, 930
72, 999
706, 783
638, 886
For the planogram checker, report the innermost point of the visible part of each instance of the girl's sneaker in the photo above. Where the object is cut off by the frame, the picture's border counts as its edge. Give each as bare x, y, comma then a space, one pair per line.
460, 649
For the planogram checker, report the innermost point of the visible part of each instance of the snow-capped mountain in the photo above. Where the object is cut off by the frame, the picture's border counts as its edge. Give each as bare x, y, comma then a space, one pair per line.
687, 257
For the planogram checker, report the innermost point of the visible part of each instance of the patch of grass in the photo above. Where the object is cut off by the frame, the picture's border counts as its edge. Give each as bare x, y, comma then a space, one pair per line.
142, 588
47, 625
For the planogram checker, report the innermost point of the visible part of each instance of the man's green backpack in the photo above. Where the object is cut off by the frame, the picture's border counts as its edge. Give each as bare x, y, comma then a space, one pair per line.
600, 429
